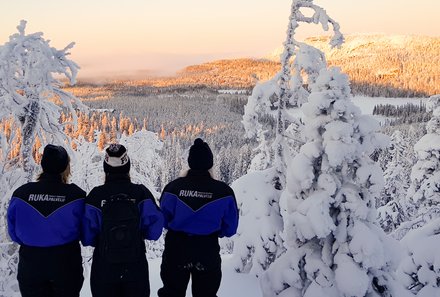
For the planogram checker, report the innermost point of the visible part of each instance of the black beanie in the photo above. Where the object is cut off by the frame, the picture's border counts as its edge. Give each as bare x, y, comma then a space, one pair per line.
54, 159
116, 159
200, 156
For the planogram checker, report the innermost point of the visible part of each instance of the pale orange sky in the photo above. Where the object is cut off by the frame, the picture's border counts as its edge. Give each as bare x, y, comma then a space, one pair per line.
131, 36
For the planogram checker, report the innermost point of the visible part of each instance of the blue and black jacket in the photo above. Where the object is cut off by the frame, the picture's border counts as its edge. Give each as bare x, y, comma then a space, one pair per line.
46, 213
197, 204
150, 214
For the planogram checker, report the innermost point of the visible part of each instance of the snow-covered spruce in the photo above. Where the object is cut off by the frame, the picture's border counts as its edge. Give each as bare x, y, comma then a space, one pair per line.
257, 243
27, 89
423, 198
396, 175
270, 117
334, 247
27, 65
419, 271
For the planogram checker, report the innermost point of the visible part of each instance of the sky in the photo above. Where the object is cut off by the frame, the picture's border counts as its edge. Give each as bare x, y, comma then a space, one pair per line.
137, 37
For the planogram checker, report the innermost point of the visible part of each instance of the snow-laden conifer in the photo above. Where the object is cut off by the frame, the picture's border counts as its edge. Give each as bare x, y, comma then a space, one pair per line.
396, 175
268, 112
87, 165
419, 271
143, 149
258, 242
271, 117
423, 199
334, 247
29, 91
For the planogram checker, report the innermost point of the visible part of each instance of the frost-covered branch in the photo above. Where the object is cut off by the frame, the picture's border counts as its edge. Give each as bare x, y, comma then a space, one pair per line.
28, 88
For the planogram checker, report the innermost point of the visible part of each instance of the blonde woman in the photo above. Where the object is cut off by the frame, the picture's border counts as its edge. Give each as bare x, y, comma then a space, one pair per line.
44, 218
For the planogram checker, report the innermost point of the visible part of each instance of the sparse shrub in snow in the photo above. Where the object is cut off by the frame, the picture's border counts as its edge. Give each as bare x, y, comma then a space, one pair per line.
27, 86
423, 199
334, 247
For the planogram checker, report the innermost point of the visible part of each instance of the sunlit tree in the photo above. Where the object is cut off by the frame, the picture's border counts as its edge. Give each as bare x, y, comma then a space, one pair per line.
29, 90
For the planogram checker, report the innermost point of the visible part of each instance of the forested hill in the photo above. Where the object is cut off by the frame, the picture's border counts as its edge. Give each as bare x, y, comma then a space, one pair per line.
384, 65
378, 65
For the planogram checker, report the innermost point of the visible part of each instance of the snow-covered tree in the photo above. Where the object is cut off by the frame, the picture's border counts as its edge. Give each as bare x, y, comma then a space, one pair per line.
224, 167
243, 162
28, 89
143, 149
270, 117
419, 270
87, 165
423, 199
255, 248
11, 177
391, 212
267, 112
28, 95
334, 247
396, 174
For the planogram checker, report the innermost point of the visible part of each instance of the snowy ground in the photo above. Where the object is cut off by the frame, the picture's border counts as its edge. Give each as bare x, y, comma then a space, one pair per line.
233, 284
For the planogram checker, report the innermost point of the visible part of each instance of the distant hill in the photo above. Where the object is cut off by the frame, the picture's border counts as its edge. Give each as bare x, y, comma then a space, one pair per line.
378, 65
221, 74
384, 65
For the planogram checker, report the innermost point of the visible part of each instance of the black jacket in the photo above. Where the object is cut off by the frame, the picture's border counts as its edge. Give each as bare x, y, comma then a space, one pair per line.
46, 213
197, 204
151, 216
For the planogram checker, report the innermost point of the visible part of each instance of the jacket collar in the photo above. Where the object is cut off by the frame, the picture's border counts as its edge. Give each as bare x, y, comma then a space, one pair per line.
117, 177
50, 177
204, 173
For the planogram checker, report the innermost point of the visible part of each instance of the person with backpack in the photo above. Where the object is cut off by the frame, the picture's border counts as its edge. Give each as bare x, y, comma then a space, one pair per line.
44, 218
198, 210
119, 215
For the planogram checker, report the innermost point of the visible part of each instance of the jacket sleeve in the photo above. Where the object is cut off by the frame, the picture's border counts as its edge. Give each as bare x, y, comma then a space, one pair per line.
168, 206
230, 219
91, 223
151, 217
11, 221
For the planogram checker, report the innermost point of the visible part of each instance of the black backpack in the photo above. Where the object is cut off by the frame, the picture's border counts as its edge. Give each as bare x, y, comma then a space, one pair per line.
120, 240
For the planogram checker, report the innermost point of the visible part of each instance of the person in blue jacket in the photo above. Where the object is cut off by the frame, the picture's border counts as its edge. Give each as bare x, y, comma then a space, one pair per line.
198, 210
44, 218
114, 277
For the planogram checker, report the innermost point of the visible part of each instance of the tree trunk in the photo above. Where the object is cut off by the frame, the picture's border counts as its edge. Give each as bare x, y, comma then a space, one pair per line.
29, 123
279, 145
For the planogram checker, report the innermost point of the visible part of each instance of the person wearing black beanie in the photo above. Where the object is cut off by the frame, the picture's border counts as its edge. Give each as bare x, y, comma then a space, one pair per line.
200, 156
44, 218
198, 210
54, 159
119, 216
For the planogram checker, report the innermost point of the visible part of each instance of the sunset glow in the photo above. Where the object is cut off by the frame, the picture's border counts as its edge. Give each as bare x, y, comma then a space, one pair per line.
164, 36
